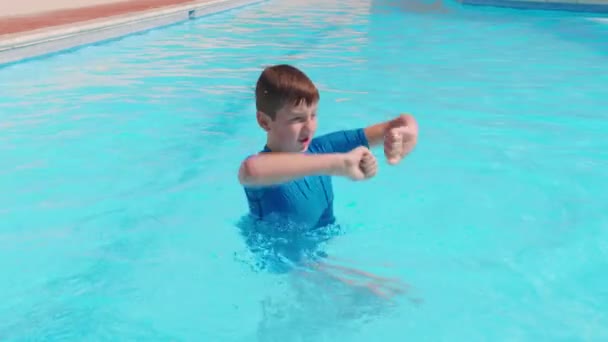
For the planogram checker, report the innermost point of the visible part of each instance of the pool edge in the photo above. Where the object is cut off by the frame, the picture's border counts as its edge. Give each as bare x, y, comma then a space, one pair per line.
20, 47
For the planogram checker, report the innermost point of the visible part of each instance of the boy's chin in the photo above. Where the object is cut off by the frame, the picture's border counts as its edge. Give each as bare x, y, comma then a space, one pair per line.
304, 147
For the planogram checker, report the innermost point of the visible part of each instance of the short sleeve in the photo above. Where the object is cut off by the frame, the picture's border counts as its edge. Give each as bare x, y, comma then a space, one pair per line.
340, 141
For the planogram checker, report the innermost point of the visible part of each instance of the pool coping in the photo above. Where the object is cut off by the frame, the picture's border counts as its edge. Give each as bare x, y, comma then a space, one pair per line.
18, 47
586, 6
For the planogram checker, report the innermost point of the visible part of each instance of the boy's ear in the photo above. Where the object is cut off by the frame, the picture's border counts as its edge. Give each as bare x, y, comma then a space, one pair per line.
263, 120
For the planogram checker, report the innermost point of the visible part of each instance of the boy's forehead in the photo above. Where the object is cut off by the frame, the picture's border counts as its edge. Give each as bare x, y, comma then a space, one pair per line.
301, 108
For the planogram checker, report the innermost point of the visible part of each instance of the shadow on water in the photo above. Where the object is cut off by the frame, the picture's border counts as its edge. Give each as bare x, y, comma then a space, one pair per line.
325, 296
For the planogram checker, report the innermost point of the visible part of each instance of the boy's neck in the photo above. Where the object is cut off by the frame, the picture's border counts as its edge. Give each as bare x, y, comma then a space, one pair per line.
271, 146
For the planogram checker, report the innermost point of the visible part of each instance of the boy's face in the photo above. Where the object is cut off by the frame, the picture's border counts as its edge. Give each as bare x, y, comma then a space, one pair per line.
292, 128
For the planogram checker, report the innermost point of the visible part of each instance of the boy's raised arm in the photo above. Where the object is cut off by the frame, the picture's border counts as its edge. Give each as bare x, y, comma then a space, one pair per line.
375, 133
399, 136
274, 168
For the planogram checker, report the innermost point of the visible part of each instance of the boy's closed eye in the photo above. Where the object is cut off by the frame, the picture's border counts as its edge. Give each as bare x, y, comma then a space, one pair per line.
302, 118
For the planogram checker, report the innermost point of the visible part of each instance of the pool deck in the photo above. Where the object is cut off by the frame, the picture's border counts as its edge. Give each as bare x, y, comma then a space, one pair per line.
23, 16
64, 24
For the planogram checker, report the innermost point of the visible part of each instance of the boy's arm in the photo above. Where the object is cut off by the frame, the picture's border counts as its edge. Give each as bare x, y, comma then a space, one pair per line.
273, 168
399, 135
375, 134
404, 126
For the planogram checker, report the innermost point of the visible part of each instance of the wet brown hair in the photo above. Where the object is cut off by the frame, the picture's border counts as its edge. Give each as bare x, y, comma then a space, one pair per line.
281, 85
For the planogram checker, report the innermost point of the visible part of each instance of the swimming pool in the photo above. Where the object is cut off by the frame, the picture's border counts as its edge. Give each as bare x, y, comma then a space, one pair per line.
120, 196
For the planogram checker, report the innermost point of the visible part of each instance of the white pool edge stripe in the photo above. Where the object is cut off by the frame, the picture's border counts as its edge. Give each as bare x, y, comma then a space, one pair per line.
52, 40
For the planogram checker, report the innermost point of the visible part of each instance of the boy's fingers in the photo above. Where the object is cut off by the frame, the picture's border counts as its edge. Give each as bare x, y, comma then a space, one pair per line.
370, 167
392, 160
393, 146
393, 138
368, 162
372, 171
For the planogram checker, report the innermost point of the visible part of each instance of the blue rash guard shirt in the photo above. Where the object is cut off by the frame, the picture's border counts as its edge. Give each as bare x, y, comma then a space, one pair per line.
306, 202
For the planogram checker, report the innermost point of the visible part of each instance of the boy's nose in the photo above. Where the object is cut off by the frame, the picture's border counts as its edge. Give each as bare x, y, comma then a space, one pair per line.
309, 123
307, 127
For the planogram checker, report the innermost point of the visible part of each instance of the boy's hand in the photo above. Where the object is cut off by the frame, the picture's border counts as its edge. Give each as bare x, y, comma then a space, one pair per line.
400, 138
359, 164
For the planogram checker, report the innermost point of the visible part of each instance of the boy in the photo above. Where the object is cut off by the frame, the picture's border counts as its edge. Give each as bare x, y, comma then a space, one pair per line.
288, 185
290, 180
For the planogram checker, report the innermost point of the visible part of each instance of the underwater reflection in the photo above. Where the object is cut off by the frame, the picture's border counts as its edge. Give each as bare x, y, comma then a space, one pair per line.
325, 295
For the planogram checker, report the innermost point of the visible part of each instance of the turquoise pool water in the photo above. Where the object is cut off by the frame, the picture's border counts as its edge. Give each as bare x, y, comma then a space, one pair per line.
120, 199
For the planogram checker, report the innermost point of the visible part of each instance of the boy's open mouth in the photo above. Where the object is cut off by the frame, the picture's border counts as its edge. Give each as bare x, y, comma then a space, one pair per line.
304, 140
